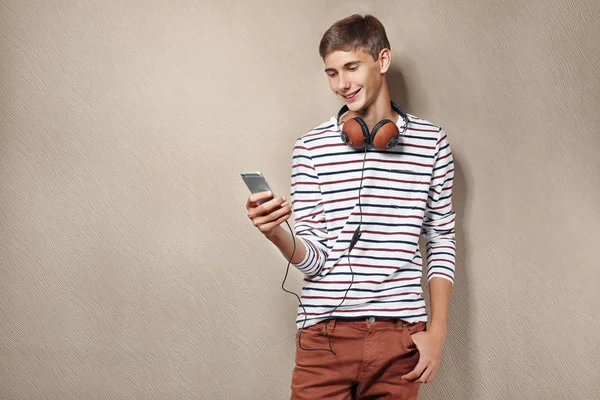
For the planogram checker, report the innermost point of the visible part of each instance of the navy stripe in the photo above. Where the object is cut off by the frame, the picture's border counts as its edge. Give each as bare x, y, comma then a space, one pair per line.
368, 274
300, 156
322, 138
370, 258
386, 189
300, 319
383, 241
366, 302
433, 139
346, 153
440, 266
443, 166
395, 171
431, 199
305, 174
433, 252
321, 128
349, 223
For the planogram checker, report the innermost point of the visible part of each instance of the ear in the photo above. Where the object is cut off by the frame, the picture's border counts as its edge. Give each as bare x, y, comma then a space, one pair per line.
385, 60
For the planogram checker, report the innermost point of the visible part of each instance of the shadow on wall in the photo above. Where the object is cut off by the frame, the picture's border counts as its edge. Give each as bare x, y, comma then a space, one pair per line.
456, 377
397, 86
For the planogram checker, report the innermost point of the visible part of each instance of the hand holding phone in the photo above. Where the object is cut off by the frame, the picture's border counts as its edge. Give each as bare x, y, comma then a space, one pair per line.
266, 211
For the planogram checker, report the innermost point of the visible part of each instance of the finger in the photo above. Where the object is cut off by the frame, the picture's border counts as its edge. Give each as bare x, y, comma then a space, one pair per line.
277, 222
415, 373
431, 376
265, 208
432, 373
272, 216
426, 375
254, 198
269, 206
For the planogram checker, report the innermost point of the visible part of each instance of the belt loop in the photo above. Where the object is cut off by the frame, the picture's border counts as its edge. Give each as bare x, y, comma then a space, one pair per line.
329, 326
400, 325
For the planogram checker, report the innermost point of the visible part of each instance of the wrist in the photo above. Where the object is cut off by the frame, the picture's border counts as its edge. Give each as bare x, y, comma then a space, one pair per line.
273, 234
438, 332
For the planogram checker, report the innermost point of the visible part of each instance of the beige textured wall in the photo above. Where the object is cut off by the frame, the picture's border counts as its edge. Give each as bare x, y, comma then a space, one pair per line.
128, 268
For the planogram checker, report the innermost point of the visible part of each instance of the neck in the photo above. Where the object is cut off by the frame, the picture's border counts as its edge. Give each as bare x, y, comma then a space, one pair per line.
380, 109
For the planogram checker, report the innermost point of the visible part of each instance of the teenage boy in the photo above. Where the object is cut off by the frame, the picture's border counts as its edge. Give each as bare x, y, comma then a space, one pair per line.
359, 213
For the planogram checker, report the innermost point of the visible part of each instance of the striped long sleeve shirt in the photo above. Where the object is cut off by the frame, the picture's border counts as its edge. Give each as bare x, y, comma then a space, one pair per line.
406, 192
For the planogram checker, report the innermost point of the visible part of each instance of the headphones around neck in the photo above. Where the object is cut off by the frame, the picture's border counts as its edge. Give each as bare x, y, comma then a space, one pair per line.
384, 136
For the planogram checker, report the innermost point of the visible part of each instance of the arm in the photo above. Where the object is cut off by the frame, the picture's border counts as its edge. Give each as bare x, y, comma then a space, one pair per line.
307, 202
268, 218
440, 241
310, 231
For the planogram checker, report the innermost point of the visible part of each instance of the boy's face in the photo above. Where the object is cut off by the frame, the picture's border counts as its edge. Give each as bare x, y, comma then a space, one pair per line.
355, 77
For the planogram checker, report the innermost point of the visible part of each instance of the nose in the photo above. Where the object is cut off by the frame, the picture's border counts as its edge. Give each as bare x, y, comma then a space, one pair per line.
343, 83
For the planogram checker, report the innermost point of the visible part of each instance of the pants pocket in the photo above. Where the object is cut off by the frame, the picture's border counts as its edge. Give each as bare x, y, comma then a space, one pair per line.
411, 329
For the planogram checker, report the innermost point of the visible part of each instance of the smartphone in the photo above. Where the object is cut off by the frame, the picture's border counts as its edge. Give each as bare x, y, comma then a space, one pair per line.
256, 182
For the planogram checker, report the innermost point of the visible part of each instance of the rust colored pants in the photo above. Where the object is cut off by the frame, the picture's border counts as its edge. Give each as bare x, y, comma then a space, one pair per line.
371, 356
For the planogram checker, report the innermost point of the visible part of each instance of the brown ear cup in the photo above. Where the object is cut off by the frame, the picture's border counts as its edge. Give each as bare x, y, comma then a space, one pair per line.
355, 133
385, 135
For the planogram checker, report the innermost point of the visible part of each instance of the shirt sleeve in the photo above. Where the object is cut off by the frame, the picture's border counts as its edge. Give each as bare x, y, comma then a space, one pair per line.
307, 204
438, 224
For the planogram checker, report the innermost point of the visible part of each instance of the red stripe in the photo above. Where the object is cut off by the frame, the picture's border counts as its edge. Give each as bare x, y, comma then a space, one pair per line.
422, 130
366, 265
377, 215
305, 183
303, 165
440, 192
375, 178
445, 156
307, 216
442, 175
441, 139
375, 197
340, 144
303, 201
376, 249
357, 282
440, 207
392, 197
381, 161
385, 233
360, 298
447, 223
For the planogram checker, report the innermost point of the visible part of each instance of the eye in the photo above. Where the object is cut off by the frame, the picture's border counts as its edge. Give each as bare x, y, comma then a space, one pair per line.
353, 68
332, 74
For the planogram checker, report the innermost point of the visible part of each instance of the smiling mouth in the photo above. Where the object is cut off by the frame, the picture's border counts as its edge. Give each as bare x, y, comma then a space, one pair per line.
351, 95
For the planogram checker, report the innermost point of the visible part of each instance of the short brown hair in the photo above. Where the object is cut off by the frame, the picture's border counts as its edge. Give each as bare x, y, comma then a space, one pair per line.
355, 33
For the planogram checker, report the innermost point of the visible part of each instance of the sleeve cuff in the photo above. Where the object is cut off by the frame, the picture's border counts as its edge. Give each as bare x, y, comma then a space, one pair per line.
440, 275
309, 264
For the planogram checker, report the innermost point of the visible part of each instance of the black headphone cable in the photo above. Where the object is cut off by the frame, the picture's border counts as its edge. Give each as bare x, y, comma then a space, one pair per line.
355, 237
